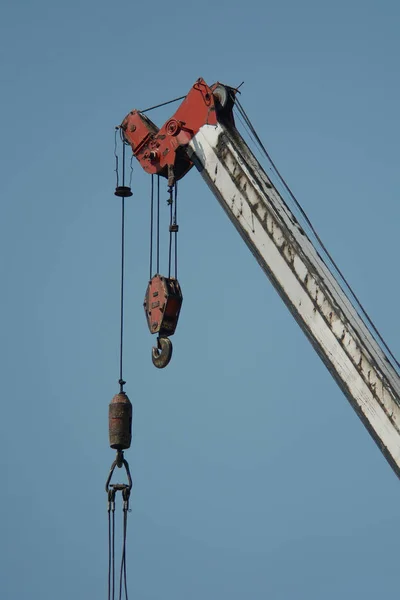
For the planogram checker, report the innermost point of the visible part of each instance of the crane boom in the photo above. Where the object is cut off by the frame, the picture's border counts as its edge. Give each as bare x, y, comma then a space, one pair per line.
211, 142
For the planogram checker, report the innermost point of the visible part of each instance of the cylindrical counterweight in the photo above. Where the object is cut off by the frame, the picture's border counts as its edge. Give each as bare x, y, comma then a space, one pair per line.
120, 422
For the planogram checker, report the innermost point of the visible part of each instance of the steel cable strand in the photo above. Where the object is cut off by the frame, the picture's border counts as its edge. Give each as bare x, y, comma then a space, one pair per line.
122, 575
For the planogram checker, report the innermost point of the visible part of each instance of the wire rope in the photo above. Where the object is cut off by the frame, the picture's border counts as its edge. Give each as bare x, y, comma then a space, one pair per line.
313, 230
162, 104
151, 225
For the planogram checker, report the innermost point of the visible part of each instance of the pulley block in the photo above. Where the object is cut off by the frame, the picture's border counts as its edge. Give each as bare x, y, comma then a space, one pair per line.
162, 305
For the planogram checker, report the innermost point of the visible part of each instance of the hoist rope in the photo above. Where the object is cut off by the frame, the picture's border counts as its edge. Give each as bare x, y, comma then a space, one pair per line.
121, 348
163, 104
116, 156
111, 545
123, 585
170, 202
158, 224
122, 575
254, 135
109, 553
176, 232
151, 225
173, 230
120, 438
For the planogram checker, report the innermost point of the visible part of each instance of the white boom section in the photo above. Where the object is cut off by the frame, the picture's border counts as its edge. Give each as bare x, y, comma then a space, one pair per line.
304, 282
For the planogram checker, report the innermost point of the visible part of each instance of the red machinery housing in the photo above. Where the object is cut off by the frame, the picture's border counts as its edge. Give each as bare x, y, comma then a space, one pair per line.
161, 151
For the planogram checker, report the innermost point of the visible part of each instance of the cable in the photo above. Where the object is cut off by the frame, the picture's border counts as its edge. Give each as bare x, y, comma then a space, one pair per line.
113, 554
122, 575
176, 230
125, 530
121, 348
158, 224
111, 545
303, 213
131, 168
116, 155
109, 553
151, 225
163, 104
170, 203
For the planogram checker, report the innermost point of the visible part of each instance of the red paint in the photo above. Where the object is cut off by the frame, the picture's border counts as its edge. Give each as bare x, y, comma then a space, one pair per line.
157, 149
162, 305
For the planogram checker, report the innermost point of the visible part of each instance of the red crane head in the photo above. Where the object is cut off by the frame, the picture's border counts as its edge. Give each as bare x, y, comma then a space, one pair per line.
162, 151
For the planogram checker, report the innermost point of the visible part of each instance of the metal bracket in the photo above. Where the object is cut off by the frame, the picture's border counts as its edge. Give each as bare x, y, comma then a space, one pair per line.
115, 487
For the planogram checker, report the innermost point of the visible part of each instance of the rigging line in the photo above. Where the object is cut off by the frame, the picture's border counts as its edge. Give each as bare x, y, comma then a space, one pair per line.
116, 155
151, 225
162, 104
122, 574
300, 208
109, 551
121, 349
125, 529
131, 168
111, 545
158, 224
257, 150
251, 137
170, 202
113, 553
176, 231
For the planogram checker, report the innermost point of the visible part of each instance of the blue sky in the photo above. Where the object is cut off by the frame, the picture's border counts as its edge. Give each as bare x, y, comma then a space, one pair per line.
253, 476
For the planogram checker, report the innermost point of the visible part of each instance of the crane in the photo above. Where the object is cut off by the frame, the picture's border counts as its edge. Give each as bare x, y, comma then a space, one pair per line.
202, 133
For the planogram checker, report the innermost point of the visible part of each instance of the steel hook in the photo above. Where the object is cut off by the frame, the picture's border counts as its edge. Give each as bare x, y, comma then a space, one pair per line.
162, 354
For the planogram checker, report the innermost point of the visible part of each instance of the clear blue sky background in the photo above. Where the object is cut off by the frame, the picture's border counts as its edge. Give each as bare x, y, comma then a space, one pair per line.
253, 476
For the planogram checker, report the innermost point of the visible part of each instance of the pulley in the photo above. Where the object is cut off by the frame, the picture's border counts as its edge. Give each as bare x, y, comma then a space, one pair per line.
162, 305
120, 422
123, 191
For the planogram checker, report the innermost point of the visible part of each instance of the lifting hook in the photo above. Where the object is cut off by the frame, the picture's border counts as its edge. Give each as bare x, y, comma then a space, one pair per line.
162, 354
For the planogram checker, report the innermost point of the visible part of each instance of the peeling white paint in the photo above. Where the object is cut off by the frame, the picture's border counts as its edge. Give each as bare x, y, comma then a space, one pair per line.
303, 280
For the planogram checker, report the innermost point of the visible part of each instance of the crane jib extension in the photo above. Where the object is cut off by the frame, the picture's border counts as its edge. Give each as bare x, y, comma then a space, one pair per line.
202, 133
